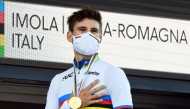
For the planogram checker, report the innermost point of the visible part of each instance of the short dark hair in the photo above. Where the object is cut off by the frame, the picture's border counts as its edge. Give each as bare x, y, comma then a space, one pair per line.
86, 12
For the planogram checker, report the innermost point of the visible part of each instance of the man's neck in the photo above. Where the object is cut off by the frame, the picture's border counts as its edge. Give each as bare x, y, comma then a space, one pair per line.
79, 57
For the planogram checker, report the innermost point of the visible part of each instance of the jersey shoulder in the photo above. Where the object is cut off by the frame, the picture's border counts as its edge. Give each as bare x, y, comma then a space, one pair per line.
61, 75
110, 68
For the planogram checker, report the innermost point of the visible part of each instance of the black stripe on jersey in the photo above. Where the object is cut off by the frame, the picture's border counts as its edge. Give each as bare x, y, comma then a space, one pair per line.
102, 105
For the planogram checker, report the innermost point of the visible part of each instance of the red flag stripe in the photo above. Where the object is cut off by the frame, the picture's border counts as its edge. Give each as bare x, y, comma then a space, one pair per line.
1, 17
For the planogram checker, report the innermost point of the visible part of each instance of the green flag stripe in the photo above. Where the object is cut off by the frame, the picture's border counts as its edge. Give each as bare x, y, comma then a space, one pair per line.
2, 51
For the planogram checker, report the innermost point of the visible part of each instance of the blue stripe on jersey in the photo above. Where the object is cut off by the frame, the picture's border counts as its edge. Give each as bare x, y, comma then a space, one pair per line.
106, 97
64, 97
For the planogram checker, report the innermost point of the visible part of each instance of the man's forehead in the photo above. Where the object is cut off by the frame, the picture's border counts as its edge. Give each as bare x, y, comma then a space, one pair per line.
81, 27
88, 23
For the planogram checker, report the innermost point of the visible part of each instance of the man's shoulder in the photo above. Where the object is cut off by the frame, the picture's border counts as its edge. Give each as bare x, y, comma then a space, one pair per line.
110, 67
66, 72
61, 75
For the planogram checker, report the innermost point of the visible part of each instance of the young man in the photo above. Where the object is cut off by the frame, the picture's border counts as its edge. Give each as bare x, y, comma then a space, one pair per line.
91, 83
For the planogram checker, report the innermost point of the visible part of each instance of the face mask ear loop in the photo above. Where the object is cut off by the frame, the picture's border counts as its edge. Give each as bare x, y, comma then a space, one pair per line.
99, 41
72, 39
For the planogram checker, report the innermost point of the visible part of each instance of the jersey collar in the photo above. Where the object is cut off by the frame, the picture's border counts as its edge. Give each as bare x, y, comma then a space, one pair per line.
83, 62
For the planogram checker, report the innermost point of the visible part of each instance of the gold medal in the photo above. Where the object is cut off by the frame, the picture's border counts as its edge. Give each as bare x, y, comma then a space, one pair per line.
75, 102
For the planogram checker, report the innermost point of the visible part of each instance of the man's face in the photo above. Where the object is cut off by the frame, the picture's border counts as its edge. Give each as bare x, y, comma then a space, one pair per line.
87, 25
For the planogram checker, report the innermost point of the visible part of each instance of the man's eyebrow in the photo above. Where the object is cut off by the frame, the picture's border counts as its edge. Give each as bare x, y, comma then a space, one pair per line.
82, 27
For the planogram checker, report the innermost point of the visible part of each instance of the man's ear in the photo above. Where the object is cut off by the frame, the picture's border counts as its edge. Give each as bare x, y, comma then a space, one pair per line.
69, 36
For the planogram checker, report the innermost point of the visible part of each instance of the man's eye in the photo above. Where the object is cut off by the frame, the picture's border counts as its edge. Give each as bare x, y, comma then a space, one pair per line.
82, 30
94, 31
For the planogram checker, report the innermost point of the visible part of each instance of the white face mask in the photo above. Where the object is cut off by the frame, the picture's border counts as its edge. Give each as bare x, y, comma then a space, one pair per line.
87, 44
